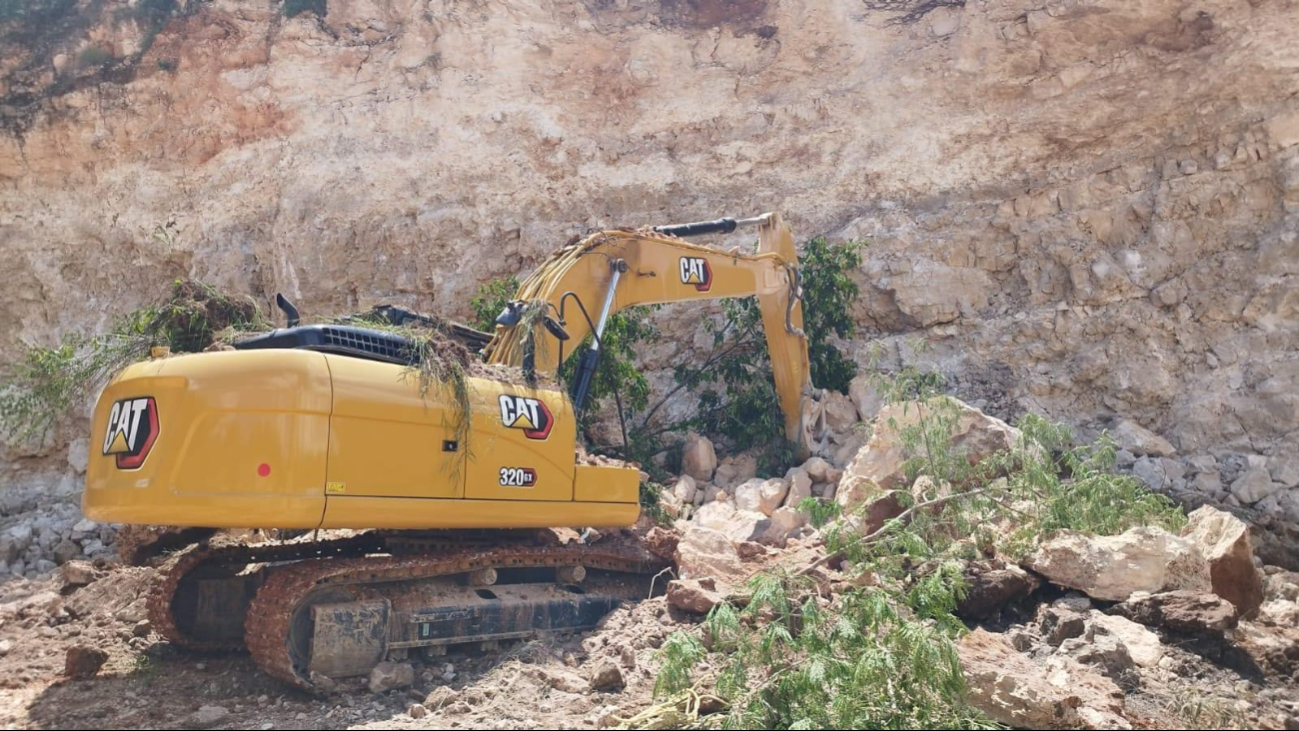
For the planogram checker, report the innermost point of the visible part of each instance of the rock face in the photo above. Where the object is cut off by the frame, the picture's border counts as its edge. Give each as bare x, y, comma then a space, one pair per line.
1113, 568
1224, 541
1015, 691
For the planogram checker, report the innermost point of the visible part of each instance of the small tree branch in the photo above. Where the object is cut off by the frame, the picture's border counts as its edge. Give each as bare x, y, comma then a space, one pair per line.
904, 518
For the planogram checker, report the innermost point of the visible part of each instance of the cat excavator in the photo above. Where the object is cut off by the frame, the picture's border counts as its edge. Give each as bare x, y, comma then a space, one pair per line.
422, 509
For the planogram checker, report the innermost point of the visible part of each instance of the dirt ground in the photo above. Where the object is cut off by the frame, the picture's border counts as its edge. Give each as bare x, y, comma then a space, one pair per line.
147, 684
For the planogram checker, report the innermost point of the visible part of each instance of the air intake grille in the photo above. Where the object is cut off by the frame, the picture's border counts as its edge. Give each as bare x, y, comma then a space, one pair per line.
371, 342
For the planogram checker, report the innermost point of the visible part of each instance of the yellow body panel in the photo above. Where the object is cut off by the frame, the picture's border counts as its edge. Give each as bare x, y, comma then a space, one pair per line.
603, 485
221, 417
300, 439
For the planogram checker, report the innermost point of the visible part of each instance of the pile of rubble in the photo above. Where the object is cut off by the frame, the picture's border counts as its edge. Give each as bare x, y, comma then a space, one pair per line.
41, 528
1145, 628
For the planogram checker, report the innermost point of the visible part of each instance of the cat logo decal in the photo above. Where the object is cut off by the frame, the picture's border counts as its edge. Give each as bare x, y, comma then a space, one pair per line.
528, 414
696, 271
132, 430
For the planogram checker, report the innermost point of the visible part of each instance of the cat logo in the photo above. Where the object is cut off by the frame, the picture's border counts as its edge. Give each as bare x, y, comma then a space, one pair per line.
528, 414
132, 430
696, 271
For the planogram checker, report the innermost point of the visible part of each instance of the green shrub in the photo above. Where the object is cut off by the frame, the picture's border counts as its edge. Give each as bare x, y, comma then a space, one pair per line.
737, 397
46, 382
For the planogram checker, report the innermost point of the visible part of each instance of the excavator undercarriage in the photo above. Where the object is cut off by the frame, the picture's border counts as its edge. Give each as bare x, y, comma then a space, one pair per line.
311, 612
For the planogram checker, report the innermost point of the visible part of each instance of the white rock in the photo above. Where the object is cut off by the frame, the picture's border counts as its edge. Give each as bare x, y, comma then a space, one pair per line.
840, 413
79, 454
85, 525
879, 465
1143, 645
685, 489
1284, 469
865, 398
1112, 568
818, 469
714, 515
800, 487
388, 676
207, 717
698, 458
704, 553
761, 496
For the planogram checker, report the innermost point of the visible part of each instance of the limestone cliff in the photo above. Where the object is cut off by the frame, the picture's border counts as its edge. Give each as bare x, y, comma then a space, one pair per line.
1088, 208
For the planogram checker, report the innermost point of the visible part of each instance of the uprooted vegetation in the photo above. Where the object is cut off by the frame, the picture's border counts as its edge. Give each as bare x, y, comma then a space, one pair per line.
48, 381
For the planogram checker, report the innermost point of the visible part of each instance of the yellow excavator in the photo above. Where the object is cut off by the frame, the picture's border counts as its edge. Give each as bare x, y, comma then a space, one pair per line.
445, 488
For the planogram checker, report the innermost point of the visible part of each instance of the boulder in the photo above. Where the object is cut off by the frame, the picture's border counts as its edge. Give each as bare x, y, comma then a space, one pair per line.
761, 496
83, 661
1012, 689
703, 552
1139, 440
715, 515
818, 469
1059, 622
840, 412
684, 490
992, 585
607, 676
800, 487
1253, 485
974, 434
1223, 539
1104, 652
865, 398
77, 573
1143, 646
697, 597
698, 458
1186, 612
1113, 568
388, 676
784, 523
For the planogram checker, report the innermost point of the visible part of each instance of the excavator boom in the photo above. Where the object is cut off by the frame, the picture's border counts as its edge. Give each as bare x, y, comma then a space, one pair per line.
642, 267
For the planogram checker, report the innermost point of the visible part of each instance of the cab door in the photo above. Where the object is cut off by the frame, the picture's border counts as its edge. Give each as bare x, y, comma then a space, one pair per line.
521, 443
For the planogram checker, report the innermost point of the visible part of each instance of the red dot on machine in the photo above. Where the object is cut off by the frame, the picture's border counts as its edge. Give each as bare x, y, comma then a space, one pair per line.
263, 469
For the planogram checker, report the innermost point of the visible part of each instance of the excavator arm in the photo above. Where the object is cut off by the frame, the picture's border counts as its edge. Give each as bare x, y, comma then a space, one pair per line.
586, 283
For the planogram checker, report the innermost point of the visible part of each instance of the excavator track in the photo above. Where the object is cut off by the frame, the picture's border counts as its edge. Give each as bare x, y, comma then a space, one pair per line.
163, 614
270, 627
259, 596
